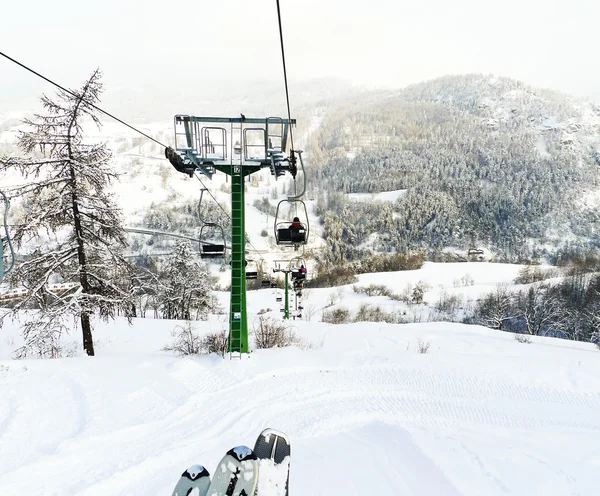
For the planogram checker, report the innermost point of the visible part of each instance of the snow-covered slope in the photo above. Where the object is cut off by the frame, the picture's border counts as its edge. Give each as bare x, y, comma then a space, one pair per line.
480, 413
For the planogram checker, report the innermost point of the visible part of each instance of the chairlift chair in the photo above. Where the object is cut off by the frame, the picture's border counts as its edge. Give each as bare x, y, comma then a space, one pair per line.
269, 282
298, 276
209, 249
284, 234
252, 273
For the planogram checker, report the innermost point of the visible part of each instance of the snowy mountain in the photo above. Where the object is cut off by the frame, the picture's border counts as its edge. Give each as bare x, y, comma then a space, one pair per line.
555, 117
484, 161
470, 161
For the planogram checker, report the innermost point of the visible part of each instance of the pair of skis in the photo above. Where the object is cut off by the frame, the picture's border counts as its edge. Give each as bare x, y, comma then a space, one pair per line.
264, 471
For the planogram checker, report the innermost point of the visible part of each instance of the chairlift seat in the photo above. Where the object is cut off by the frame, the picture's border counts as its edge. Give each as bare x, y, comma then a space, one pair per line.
251, 275
287, 236
298, 235
284, 235
212, 251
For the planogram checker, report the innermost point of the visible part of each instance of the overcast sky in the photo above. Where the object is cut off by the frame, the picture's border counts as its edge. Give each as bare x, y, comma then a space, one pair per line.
379, 43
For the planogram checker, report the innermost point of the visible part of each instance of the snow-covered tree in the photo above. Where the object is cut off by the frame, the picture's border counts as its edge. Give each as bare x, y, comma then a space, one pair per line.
185, 293
495, 308
71, 216
541, 310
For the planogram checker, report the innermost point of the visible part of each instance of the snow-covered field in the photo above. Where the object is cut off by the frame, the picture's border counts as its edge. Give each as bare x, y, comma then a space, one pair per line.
479, 414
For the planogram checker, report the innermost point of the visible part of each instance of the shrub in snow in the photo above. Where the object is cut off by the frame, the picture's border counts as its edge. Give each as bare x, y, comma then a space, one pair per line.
417, 294
423, 346
270, 333
494, 309
333, 276
187, 341
374, 313
372, 290
338, 315
215, 342
449, 303
522, 338
466, 280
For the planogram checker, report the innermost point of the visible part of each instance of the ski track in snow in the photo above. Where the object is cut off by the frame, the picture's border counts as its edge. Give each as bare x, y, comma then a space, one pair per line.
419, 424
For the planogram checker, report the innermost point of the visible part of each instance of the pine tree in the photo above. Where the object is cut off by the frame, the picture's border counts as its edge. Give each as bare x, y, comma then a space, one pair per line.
72, 217
185, 285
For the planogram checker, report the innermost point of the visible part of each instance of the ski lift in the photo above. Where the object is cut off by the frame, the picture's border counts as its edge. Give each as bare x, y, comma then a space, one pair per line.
253, 272
210, 249
298, 268
298, 274
269, 282
6, 238
291, 233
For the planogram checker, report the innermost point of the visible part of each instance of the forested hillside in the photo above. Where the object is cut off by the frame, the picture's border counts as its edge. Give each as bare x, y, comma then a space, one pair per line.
485, 162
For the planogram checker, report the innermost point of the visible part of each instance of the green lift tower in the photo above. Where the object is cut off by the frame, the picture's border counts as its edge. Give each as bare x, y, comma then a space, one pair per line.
236, 146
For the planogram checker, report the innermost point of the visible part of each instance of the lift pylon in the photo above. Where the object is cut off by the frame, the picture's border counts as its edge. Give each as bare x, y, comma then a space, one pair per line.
238, 147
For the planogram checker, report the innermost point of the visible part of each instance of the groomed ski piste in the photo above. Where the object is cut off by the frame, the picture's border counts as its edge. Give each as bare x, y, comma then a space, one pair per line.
367, 414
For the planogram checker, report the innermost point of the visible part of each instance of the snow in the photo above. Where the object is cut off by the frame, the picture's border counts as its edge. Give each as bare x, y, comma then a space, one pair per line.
542, 147
384, 196
366, 413
272, 477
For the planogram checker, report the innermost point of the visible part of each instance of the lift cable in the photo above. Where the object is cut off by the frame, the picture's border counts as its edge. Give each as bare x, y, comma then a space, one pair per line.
79, 96
287, 93
226, 213
125, 123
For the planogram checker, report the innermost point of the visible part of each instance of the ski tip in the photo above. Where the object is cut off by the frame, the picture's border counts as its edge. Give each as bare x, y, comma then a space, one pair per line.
195, 472
274, 432
242, 453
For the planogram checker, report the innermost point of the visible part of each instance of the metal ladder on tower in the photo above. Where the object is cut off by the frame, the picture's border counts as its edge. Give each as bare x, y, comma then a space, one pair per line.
238, 321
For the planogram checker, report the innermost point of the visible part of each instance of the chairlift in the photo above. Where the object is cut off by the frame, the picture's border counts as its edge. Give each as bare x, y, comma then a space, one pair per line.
210, 249
252, 273
295, 232
298, 272
269, 282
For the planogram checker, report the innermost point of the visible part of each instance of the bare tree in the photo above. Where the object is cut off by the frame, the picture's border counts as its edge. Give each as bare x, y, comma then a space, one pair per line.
495, 308
541, 310
72, 217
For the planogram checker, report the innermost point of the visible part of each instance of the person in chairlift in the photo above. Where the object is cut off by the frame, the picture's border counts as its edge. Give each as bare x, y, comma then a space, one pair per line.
295, 227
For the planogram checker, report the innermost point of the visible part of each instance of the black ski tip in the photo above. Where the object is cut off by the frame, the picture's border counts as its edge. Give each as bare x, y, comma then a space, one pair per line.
195, 472
273, 444
242, 453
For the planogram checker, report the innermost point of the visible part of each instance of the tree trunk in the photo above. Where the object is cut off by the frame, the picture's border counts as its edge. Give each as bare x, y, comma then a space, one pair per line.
88, 342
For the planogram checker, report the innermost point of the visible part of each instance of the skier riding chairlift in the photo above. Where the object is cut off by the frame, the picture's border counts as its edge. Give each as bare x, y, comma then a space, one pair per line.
299, 274
297, 231
299, 277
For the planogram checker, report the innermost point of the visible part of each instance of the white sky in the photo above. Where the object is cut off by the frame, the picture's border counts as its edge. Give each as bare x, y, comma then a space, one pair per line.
383, 43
